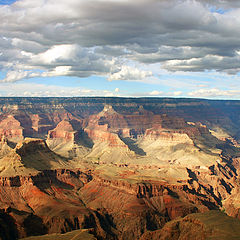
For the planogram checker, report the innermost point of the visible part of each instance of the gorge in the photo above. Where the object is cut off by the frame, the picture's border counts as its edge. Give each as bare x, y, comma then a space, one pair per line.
119, 168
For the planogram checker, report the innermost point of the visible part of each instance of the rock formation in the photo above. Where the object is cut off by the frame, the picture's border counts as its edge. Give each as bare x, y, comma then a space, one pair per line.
210, 225
11, 129
119, 168
29, 157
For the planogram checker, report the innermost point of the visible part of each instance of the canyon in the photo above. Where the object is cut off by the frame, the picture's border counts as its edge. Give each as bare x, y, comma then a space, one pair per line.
119, 168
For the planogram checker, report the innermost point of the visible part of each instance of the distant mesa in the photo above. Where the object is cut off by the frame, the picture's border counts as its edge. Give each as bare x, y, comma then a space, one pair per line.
108, 109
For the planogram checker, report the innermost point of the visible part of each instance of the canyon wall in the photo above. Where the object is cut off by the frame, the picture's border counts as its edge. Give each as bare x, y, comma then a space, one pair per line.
119, 168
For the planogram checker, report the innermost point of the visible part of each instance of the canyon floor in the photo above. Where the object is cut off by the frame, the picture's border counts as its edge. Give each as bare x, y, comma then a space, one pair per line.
116, 168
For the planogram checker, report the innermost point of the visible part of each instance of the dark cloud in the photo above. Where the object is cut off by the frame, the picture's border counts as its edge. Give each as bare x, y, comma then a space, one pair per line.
104, 37
226, 4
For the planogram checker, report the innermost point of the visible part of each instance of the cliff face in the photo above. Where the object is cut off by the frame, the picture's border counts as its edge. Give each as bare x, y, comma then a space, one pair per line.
10, 128
63, 136
131, 116
122, 168
45, 202
29, 157
223, 114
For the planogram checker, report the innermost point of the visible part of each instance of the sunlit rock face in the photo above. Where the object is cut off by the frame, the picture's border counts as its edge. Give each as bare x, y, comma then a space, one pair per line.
11, 129
119, 168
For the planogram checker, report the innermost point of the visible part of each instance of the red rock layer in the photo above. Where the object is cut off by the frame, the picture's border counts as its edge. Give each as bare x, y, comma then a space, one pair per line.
64, 130
60, 206
116, 208
137, 125
11, 129
112, 139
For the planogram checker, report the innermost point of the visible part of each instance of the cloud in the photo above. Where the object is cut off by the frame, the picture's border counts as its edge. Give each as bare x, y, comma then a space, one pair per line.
156, 93
177, 93
130, 73
105, 37
59, 60
41, 90
208, 62
226, 4
15, 75
214, 92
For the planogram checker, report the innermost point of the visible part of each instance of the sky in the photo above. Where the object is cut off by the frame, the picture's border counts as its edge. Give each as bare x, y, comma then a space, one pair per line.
124, 48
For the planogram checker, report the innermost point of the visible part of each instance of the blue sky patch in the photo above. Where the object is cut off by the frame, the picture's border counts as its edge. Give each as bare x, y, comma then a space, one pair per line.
6, 2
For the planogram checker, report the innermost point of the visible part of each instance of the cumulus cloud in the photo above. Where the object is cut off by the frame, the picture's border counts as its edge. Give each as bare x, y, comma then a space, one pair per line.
130, 73
60, 60
15, 75
103, 37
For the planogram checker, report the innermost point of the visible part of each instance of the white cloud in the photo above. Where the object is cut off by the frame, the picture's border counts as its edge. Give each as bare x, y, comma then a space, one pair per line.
57, 52
130, 73
84, 38
13, 76
177, 93
41, 90
58, 71
161, 93
214, 92
155, 93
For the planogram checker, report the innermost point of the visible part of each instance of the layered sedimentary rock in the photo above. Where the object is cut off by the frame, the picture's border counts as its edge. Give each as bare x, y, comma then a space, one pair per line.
216, 114
64, 130
118, 206
11, 129
29, 157
45, 202
4, 147
123, 168
69, 139
63, 136
108, 146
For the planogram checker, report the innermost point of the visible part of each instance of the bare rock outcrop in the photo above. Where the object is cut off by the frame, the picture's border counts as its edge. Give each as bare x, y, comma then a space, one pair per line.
198, 226
29, 157
11, 129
